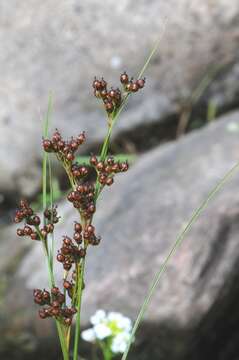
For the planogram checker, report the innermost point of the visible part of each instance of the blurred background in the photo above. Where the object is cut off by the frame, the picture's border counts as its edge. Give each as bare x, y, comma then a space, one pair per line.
180, 134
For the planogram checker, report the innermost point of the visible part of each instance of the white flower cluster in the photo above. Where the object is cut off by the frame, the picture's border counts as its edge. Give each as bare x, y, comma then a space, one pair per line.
112, 326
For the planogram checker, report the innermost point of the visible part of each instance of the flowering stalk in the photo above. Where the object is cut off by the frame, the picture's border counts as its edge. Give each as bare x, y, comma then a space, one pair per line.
83, 196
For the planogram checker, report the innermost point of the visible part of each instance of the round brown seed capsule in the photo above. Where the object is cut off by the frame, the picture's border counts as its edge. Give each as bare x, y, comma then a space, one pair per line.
90, 229
80, 138
100, 166
78, 227
36, 220
49, 228
70, 156
55, 311
67, 241
128, 86
77, 237
46, 295
42, 314
56, 136
124, 79
55, 304
34, 236
134, 87
60, 257
27, 230
109, 181
141, 83
55, 290
96, 84
109, 106
74, 145
103, 93
83, 171
20, 232
47, 145
93, 160
91, 208
67, 285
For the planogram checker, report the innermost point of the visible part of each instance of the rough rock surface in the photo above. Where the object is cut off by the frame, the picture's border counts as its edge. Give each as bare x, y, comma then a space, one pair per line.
59, 46
195, 305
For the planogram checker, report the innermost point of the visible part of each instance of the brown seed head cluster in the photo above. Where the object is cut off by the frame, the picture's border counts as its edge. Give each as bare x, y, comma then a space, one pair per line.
83, 196
54, 305
107, 169
113, 98
131, 85
83, 199
64, 149
33, 221
70, 253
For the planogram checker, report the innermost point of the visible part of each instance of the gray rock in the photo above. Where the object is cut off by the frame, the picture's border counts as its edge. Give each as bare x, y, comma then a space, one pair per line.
194, 306
60, 46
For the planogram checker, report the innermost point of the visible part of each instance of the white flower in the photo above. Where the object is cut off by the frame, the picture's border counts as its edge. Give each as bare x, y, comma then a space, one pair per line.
119, 343
122, 322
88, 335
102, 331
99, 316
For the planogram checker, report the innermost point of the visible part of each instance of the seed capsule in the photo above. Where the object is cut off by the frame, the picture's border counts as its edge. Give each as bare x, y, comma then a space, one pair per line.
109, 106
93, 160
90, 229
78, 227
67, 285
80, 138
27, 230
42, 313
124, 79
70, 156
141, 83
60, 258
34, 236
109, 181
134, 87
55, 290
77, 237
47, 145
36, 220
20, 232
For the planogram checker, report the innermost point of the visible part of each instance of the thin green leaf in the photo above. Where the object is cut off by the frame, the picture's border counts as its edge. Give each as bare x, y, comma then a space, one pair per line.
51, 248
176, 244
44, 205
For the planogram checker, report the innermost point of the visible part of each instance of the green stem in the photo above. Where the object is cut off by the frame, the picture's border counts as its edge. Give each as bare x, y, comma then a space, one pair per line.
176, 244
79, 298
107, 354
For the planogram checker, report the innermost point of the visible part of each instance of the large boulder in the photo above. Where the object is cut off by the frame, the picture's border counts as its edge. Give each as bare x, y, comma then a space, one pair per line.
59, 46
195, 304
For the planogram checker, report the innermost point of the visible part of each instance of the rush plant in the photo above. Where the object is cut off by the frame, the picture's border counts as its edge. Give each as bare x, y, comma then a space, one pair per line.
62, 302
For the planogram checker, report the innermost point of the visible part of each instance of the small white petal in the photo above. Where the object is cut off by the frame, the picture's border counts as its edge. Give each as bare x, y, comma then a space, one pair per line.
88, 335
102, 331
99, 316
119, 343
